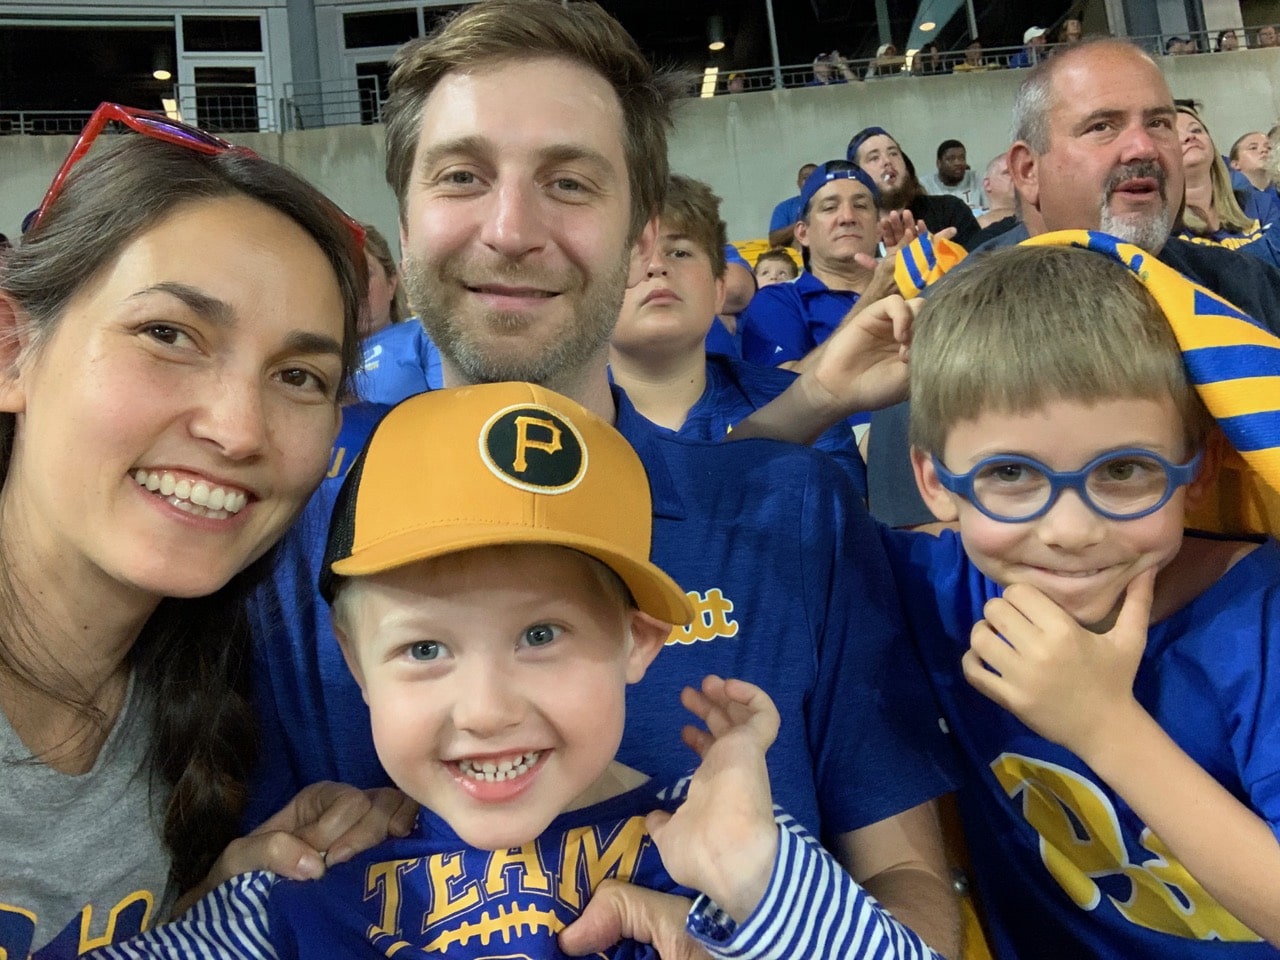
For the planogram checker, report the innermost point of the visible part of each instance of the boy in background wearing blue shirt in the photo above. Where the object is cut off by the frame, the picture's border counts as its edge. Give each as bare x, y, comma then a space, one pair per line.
657, 351
487, 567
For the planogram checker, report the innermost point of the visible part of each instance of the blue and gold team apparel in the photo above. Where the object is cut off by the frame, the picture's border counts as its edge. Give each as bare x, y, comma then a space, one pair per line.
1063, 867
104, 876
431, 893
791, 591
1258, 241
1251, 289
810, 907
736, 389
784, 321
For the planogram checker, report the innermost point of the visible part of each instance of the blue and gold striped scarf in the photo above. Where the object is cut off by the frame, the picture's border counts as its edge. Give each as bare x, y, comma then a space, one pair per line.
1232, 360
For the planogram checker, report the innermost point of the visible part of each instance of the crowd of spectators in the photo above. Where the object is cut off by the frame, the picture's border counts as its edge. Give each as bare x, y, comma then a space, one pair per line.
1096, 682
1038, 42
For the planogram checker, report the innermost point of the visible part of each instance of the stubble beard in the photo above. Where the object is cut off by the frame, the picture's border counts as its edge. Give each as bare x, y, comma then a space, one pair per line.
495, 347
1149, 231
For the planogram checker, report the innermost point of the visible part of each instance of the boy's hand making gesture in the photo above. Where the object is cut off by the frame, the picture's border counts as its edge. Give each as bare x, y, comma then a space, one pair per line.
723, 839
1065, 682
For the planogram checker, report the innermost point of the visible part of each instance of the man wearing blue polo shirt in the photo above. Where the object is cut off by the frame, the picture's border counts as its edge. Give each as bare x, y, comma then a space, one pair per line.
782, 225
839, 233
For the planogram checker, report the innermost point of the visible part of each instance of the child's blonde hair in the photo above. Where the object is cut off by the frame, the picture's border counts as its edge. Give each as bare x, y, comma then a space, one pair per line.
1018, 328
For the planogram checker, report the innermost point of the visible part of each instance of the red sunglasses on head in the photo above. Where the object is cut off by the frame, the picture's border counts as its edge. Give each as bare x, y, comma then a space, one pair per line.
158, 127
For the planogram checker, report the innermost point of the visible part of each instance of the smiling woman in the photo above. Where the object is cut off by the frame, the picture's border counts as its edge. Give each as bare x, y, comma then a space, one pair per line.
176, 332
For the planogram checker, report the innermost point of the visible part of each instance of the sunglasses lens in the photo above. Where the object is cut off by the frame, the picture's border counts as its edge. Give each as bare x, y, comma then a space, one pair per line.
175, 128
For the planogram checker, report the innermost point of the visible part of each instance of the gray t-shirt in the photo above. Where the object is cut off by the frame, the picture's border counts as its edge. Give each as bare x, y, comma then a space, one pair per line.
81, 860
969, 189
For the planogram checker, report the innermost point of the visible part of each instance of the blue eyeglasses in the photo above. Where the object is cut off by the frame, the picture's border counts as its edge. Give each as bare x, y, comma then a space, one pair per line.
1120, 485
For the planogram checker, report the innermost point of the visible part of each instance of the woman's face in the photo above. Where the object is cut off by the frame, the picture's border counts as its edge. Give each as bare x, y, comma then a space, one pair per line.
175, 420
382, 290
1197, 148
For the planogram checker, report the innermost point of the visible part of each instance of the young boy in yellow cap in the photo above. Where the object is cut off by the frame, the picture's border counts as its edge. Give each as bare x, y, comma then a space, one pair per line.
487, 567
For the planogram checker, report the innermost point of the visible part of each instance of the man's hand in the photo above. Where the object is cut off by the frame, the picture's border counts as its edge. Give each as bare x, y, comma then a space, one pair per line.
1063, 681
723, 839
618, 911
326, 823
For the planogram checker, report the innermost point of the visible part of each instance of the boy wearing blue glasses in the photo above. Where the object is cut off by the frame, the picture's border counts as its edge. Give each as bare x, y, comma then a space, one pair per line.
1112, 682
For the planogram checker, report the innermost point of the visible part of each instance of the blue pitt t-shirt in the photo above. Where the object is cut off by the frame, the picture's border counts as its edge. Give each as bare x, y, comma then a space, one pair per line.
1063, 866
791, 591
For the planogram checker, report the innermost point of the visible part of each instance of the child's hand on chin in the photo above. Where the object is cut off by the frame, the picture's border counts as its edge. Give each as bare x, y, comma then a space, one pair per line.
723, 839
1068, 684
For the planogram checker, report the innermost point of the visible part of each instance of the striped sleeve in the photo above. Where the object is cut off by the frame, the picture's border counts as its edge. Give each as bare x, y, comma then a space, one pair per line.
811, 908
228, 923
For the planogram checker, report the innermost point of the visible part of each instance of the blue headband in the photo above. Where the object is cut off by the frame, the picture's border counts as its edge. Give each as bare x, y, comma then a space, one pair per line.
821, 177
861, 137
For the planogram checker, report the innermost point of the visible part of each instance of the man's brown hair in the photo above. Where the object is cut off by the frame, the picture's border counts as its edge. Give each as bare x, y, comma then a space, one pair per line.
494, 32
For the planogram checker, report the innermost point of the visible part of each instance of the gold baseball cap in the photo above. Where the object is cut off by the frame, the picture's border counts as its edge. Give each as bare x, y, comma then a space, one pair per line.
491, 464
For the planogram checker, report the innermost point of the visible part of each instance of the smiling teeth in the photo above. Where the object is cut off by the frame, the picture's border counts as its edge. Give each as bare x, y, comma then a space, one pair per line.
493, 772
198, 498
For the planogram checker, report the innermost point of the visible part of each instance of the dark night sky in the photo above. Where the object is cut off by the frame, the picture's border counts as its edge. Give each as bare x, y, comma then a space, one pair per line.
75, 68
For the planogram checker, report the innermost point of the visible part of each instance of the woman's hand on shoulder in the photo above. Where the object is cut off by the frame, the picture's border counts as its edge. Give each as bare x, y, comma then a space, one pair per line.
325, 824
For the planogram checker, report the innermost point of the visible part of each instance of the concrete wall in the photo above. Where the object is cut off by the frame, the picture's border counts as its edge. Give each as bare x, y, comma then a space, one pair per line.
747, 146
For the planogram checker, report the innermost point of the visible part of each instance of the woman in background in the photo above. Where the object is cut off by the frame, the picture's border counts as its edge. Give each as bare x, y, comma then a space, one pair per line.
385, 303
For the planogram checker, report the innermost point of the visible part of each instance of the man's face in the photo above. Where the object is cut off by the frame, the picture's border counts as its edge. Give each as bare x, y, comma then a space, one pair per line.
952, 165
998, 184
803, 175
1113, 160
881, 157
973, 54
1253, 154
842, 221
1267, 37
516, 218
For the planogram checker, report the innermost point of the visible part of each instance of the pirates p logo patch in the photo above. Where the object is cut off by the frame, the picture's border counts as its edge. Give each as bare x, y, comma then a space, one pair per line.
534, 448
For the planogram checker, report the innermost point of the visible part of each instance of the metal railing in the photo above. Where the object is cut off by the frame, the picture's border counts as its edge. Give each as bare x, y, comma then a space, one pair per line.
313, 104
220, 108
240, 108
41, 122
229, 107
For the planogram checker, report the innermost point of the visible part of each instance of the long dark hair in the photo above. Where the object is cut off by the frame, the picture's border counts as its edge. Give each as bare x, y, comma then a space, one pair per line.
192, 656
